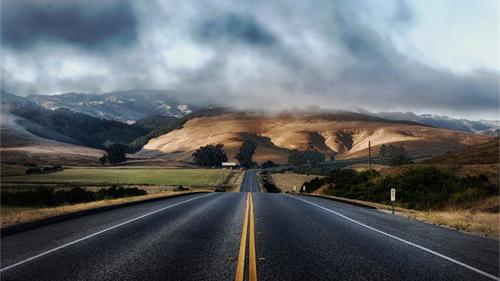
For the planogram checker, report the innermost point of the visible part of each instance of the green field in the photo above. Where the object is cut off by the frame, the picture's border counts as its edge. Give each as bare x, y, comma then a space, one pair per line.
99, 176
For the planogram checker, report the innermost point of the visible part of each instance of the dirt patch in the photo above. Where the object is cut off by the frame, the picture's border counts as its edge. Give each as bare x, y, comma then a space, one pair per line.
287, 181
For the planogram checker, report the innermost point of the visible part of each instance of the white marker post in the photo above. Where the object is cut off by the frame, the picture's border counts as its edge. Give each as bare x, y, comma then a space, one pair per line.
304, 188
294, 188
393, 198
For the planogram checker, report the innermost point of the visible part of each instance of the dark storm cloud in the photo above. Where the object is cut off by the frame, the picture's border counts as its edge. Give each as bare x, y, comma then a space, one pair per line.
235, 28
86, 24
256, 53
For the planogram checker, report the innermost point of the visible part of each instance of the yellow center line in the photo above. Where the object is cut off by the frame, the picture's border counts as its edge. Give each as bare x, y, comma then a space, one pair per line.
240, 269
248, 227
252, 264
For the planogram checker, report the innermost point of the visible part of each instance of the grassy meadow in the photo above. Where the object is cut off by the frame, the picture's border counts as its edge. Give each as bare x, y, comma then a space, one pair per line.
120, 176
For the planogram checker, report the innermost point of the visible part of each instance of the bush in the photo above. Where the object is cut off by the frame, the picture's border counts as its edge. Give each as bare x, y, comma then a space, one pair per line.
268, 184
268, 164
33, 170
49, 197
419, 188
181, 188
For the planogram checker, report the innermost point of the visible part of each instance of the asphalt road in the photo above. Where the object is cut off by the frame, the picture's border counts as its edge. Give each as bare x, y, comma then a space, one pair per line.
250, 182
250, 236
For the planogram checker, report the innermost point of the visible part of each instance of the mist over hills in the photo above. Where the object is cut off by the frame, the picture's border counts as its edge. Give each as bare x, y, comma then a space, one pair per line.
442, 121
124, 106
132, 105
159, 124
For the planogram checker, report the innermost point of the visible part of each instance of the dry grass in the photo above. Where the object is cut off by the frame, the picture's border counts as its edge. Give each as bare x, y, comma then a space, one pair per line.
475, 220
236, 179
364, 167
11, 216
484, 153
288, 180
482, 223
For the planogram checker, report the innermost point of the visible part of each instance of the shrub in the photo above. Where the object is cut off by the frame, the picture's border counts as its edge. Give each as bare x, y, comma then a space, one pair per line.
268, 164
419, 188
33, 170
48, 197
268, 183
181, 188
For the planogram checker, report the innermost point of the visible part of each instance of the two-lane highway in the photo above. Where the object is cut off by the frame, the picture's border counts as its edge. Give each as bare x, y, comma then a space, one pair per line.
246, 236
250, 182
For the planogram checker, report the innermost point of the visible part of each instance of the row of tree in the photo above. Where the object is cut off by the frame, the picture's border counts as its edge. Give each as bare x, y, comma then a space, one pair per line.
214, 155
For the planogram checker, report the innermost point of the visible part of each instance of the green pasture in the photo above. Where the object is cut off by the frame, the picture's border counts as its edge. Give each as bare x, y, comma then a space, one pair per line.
99, 176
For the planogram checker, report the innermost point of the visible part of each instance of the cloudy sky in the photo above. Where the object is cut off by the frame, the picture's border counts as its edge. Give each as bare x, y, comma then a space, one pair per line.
437, 56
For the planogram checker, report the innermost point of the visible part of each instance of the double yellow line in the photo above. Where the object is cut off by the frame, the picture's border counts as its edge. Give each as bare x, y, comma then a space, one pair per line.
248, 228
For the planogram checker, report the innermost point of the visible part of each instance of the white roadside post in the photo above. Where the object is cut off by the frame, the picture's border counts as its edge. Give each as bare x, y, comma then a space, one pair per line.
294, 188
304, 188
393, 198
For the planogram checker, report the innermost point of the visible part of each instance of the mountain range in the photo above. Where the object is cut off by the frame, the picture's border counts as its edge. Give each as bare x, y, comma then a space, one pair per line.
487, 127
156, 124
124, 106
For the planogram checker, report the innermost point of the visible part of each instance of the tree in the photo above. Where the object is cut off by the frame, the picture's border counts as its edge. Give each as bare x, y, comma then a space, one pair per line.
394, 155
245, 154
313, 157
303, 158
103, 159
115, 153
210, 155
268, 164
295, 158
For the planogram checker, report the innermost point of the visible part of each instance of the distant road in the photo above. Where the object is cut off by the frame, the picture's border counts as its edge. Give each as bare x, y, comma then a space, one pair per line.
246, 236
250, 182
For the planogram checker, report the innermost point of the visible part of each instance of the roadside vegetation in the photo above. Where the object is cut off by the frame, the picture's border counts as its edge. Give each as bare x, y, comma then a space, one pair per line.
268, 182
287, 181
418, 188
16, 215
50, 197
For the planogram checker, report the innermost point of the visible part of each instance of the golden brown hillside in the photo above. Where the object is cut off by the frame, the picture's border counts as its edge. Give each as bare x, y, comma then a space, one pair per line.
341, 135
483, 153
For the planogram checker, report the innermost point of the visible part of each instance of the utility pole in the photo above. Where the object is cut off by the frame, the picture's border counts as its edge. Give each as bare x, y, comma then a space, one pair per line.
369, 156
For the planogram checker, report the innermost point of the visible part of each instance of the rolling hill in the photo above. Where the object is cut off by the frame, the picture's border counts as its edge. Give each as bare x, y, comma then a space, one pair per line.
483, 153
20, 146
486, 127
343, 135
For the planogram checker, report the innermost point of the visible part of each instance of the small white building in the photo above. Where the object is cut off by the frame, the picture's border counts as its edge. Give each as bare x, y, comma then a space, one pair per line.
229, 165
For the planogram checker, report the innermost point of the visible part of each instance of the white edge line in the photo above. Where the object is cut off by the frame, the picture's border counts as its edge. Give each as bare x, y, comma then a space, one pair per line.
97, 233
404, 241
